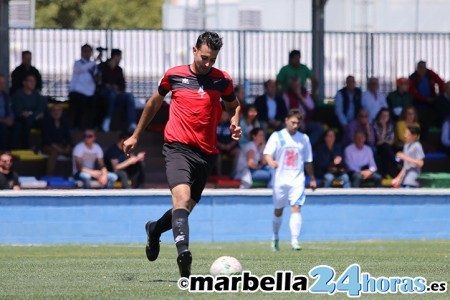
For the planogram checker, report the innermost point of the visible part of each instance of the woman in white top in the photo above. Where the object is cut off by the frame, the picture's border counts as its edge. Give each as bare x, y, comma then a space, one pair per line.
252, 165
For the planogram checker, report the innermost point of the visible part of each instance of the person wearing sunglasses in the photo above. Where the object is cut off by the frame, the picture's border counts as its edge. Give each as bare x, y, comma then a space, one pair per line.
9, 180
88, 164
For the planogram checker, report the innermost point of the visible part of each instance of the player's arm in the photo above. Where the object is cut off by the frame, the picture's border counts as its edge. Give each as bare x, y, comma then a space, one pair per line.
309, 168
270, 161
417, 162
234, 108
151, 108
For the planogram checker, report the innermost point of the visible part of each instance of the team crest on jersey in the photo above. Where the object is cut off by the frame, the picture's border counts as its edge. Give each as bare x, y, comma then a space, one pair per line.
201, 91
291, 158
185, 81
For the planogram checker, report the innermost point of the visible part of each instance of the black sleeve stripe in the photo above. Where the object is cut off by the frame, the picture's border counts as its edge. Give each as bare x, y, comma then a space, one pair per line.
229, 98
162, 91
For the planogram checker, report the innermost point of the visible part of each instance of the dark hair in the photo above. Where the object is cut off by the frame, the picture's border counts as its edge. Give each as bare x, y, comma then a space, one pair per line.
415, 130
294, 53
404, 112
211, 39
325, 133
381, 111
254, 132
115, 52
295, 112
422, 63
86, 46
266, 83
26, 52
29, 74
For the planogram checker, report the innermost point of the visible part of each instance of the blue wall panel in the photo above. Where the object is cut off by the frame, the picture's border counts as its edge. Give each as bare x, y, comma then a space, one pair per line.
117, 219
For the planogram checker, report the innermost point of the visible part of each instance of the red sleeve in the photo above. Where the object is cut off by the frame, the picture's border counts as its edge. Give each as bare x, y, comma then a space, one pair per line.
164, 85
439, 82
228, 95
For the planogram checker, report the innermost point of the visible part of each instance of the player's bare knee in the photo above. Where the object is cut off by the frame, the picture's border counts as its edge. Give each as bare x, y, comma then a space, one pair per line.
295, 209
278, 212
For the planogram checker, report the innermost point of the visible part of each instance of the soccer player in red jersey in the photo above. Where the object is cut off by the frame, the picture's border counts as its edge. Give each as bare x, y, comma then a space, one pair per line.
190, 148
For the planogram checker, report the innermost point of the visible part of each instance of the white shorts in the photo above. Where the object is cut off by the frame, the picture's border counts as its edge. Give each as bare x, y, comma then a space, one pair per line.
287, 195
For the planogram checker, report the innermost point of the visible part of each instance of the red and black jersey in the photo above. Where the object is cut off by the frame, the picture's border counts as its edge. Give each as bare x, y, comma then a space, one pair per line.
195, 107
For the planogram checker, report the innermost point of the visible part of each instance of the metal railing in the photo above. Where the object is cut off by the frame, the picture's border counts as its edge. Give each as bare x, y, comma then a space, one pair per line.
251, 57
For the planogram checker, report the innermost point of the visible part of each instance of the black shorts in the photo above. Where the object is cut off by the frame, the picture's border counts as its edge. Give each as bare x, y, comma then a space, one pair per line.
188, 165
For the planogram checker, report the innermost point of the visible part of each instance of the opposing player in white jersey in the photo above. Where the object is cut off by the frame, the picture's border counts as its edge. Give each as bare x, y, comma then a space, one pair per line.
289, 152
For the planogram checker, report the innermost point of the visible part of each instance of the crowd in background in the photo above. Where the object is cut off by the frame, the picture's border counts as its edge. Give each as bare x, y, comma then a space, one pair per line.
97, 89
368, 144
377, 137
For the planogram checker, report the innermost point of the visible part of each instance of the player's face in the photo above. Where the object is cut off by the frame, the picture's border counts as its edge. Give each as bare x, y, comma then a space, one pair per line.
204, 59
409, 137
292, 124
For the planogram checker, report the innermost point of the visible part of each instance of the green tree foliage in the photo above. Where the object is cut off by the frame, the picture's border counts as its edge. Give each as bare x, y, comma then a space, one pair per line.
115, 14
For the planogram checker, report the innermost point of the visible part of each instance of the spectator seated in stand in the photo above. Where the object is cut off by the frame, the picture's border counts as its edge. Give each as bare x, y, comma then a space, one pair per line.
408, 117
445, 135
228, 147
328, 161
347, 102
399, 99
412, 157
29, 108
247, 123
297, 97
252, 166
384, 135
9, 180
6, 116
24, 69
56, 138
271, 108
443, 103
361, 123
126, 168
360, 162
372, 99
88, 163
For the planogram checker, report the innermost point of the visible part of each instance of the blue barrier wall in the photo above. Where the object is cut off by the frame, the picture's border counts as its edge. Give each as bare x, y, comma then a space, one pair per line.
118, 217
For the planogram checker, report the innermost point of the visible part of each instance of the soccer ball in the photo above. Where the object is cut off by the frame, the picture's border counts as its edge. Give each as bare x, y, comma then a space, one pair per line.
225, 265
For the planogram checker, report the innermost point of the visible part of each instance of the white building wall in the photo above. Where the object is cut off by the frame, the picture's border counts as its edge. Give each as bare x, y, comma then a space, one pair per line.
340, 15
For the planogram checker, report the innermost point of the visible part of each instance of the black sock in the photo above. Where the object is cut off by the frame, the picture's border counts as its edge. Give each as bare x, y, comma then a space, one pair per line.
180, 229
163, 224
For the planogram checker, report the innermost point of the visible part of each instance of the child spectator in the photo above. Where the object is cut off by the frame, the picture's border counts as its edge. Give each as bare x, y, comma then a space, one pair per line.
412, 157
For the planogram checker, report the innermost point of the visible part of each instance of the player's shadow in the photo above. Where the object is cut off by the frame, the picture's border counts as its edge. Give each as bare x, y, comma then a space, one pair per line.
158, 281
132, 277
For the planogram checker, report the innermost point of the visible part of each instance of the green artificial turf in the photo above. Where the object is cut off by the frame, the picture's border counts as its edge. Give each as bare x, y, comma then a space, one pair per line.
121, 271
